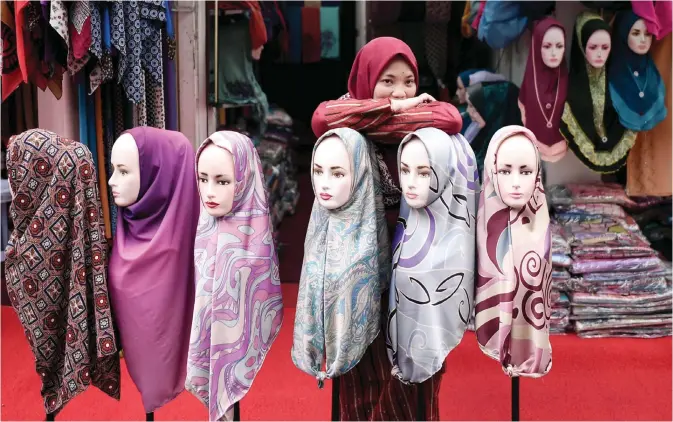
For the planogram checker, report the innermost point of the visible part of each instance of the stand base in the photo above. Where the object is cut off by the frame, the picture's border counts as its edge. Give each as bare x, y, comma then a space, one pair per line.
237, 412
149, 416
50, 417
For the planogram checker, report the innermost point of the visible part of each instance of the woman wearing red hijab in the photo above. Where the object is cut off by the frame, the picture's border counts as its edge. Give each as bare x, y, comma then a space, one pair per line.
382, 104
385, 74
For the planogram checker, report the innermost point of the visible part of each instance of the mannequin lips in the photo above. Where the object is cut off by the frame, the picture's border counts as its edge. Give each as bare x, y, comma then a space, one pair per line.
411, 195
516, 195
325, 196
212, 204
115, 194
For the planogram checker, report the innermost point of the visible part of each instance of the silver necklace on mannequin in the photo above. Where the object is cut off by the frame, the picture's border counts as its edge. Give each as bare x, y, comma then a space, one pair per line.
634, 75
537, 94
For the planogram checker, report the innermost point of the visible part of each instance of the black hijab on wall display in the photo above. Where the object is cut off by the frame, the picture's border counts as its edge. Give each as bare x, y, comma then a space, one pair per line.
603, 145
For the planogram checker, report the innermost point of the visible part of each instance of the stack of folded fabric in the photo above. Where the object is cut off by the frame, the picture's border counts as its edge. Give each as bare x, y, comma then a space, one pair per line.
561, 261
276, 154
618, 285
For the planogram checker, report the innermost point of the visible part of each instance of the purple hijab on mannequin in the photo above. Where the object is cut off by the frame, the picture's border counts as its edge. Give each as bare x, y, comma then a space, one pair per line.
151, 275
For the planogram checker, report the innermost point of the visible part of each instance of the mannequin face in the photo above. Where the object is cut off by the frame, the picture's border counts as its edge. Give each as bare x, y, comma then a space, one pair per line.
332, 173
516, 168
474, 114
217, 181
598, 48
640, 39
396, 81
125, 180
553, 47
461, 92
415, 174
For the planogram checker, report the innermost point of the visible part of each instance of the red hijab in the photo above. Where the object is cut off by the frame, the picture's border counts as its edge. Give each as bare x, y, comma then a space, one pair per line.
371, 60
551, 144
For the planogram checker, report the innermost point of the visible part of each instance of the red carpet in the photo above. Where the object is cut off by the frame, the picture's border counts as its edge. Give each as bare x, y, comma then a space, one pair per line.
602, 379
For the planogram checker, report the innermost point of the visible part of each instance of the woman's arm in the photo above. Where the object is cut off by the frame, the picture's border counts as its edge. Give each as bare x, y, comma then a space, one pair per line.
377, 120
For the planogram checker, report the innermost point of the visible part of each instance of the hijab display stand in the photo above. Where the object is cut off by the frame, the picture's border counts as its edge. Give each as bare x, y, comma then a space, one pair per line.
237, 412
50, 417
336, 413
515, 398
149, 416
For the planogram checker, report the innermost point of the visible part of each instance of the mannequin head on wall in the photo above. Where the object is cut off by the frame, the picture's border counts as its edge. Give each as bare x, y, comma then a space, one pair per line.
461, 91
553, 47
516, 170
217, 181
125, 179
598, 48
474, 114
640, 39
332, 173
415, 173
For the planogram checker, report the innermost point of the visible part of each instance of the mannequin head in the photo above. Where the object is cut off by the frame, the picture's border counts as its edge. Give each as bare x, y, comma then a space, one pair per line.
397, 81
474, 114
553, 47
516, 170
217, 181
332, 173
461, 91
415, 173
125, 180
598, 48
640, 39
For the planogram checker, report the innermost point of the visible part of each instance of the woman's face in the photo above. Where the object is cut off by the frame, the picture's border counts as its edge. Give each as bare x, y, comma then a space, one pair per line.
396, 81
461, 92
640, 39
474, 114
598, 48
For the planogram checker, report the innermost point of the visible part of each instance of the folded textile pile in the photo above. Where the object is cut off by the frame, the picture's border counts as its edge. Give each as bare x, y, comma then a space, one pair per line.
618, 286
561, 261
277, 163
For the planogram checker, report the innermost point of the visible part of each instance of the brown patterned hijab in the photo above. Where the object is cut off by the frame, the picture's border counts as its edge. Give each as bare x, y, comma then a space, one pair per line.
56, 266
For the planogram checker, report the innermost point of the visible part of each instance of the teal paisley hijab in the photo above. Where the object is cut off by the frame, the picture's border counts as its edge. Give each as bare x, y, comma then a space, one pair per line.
346, 268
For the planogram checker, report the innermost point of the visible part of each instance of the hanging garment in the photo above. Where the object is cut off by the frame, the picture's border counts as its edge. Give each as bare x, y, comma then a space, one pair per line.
136, 34
56, 267
294, 24
329, 33
100, 165
513, 295
239, 308
236, 84
649, 163
152, 266
384, 13
79, 29
438, 12
589, 122
346, 256
543, 95
657, 16
636, 88
501, 23
11, 72
170, 73
433, 261
310, 34
258, 36
496, 104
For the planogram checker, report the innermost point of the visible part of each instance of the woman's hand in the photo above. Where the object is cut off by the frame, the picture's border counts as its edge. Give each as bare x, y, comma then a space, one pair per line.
398, 106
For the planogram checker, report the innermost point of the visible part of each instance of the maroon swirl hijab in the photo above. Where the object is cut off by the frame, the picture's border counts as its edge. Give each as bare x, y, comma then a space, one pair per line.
543, 95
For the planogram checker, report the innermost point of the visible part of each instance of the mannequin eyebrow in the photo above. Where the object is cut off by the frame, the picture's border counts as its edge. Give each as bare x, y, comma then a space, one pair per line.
217, 176
331, 168
418, 167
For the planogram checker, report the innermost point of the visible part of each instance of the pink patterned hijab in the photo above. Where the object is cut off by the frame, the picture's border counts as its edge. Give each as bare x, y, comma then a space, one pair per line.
514, 272
239, 309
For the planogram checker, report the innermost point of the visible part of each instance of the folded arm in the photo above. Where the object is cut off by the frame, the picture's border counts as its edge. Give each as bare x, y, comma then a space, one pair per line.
376, 119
